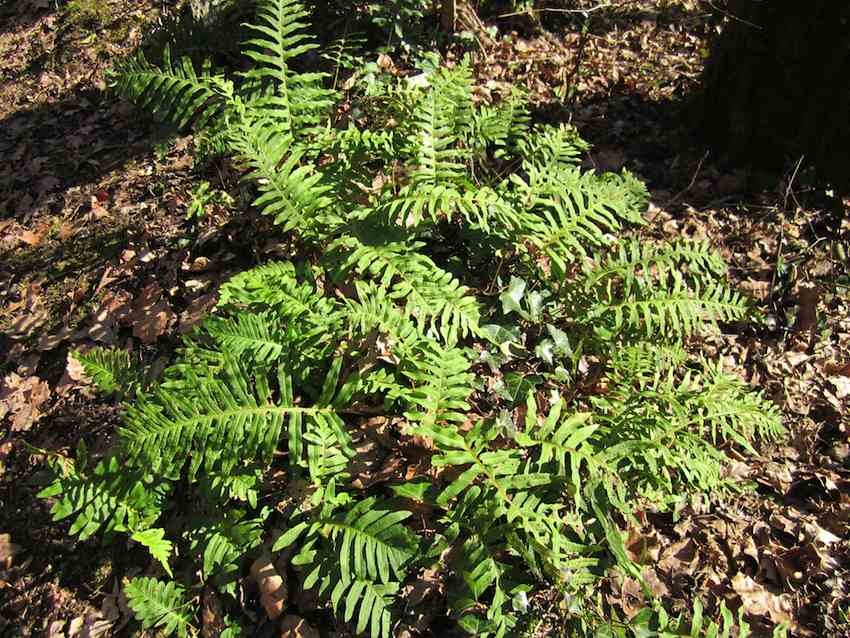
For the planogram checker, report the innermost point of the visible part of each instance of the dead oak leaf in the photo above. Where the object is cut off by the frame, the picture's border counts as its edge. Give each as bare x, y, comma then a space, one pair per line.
196, 311
8, 550
21, 400
759, 602
151, 315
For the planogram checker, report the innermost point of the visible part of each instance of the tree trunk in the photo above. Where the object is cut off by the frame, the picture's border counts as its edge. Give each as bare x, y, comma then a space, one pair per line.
777, 86
448, 16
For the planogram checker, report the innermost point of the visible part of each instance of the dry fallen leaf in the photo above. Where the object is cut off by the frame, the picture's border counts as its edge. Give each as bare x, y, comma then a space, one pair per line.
212, 617
841, 385
757, 601
273, 592
197, 310
296, 627
8, 550
151, 315
20, 400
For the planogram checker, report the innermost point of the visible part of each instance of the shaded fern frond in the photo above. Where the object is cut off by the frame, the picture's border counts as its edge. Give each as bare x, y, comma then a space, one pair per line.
159, 605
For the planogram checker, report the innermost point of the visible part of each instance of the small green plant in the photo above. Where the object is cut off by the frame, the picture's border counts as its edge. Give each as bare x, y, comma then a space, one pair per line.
406, 230
202, 196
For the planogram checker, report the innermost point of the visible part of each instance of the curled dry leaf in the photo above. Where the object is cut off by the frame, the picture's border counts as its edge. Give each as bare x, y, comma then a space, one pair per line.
212, 617
21, 400
296, 627
197, 309
273, 594
680, 557
759, 602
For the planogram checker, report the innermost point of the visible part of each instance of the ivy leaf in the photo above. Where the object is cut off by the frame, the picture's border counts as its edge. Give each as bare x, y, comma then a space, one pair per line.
517, 386
414, 490
546, 351
560, 340
535, 306
512, 297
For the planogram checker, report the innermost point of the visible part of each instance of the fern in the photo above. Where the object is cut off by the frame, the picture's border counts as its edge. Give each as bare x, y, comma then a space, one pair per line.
109, 498
298, 101
218, 418
110, 369
408, 220
176, 92
158, 546
354, 556
441, 384
159, 605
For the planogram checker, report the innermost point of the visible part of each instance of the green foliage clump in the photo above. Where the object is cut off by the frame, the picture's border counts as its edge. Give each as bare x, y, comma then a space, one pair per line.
406, 228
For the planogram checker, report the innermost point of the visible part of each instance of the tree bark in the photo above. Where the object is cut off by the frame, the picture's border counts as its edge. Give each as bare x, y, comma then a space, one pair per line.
448, 16
777, 86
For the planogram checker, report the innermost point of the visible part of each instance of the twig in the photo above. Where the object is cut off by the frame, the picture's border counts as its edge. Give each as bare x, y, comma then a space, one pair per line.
679, 195
604, 5
788, 192
569, 82
781, 240
733, 17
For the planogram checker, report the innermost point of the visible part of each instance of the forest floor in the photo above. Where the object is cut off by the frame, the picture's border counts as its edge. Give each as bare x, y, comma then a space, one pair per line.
95, 248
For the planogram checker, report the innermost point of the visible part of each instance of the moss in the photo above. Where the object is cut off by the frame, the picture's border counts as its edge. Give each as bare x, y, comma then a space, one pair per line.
88, 13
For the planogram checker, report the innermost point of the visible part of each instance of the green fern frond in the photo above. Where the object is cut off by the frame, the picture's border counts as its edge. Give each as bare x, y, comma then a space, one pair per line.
292, 192
159, 605
298, 101
354, 556
158, 546
371, 602
440, 386
110, 369
277, 286
551, 147
329, 448
109, 499
371, 542
669, 308
375, 312
222, 539
634, 258
561, 445
432, 296
176, 92
725, 409
501, 127
217, 420
260, 335
568, 212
